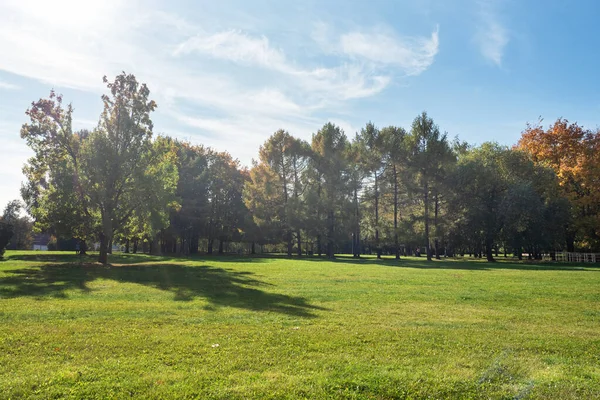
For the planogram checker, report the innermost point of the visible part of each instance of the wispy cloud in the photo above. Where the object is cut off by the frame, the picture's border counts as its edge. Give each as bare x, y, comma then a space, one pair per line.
349, 80
382, 47
212, 78
491, 35
413, 55
8, 86
235, 46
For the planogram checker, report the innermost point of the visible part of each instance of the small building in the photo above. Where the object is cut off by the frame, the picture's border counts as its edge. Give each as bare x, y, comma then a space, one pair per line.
40, 241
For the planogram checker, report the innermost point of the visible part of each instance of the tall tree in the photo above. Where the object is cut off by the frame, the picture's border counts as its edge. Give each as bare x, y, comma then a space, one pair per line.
114, 171
285, 159
329, 146
572, 152
500, 193
372, 159
188, 223
425, 144
227, 211
356, 176
395, 153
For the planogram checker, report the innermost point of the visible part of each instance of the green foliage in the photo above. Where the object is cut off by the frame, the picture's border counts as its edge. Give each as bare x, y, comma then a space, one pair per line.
388, 190
504, 195
429, 159
6, 233
330, 148
20, 226
273, 194
94, 184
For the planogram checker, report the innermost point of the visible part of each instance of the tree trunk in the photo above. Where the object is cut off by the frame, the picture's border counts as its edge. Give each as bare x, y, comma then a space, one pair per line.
396, 244
319, 249
436, 242
426, 200
290, 243
356, 236
330, 231
156, 246
103, 257
570, 243
127, 246
299, 241
110, 245
378, 248
253, 249
210, 246
82, 247
194, 245
489, 249
221, 246
105, 239
135, 246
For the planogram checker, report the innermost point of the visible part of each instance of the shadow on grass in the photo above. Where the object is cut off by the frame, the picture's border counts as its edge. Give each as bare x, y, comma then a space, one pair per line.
406, 262
129, 258
219, 286
456, 263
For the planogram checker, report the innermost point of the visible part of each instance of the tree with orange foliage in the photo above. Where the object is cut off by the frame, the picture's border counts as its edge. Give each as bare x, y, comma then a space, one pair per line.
574, 154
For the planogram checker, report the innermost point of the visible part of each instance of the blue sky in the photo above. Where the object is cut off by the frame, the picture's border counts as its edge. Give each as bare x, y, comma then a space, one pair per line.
229, 73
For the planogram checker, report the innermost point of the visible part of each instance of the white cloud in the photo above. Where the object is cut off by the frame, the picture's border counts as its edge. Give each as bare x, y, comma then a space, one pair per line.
235, 46
70, 43
412, 55
8, 86
346, 81
491, 36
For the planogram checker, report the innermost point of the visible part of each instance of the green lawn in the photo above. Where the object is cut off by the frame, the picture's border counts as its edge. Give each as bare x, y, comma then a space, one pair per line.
223, 327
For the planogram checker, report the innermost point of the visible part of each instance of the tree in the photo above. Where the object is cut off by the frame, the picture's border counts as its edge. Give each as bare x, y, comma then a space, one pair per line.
370, 141
106, 176
226, 214
572, 152
189, 222
501, 194
22, 226
395, 153
356, 175
329, 147
427, 150
282, 162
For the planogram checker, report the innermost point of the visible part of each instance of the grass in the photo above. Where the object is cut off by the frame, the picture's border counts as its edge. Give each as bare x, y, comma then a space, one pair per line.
227, 328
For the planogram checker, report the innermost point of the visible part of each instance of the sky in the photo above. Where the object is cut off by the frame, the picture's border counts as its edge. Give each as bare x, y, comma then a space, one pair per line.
229, 73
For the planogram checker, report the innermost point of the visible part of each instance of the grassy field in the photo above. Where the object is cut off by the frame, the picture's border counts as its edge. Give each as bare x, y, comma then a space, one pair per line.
227, 328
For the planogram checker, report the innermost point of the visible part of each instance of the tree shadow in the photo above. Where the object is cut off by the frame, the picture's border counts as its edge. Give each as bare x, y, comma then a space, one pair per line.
71, 257
130, 258
480, 265
219, 286
457, 263
406, 262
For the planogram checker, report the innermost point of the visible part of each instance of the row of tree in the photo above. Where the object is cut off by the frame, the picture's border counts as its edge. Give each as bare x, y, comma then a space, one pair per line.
387, 190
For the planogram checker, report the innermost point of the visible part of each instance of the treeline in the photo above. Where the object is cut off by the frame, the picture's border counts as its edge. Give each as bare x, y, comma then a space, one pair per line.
384, 190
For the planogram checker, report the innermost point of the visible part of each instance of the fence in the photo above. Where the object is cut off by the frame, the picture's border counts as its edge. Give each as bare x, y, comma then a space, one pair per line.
564, 256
